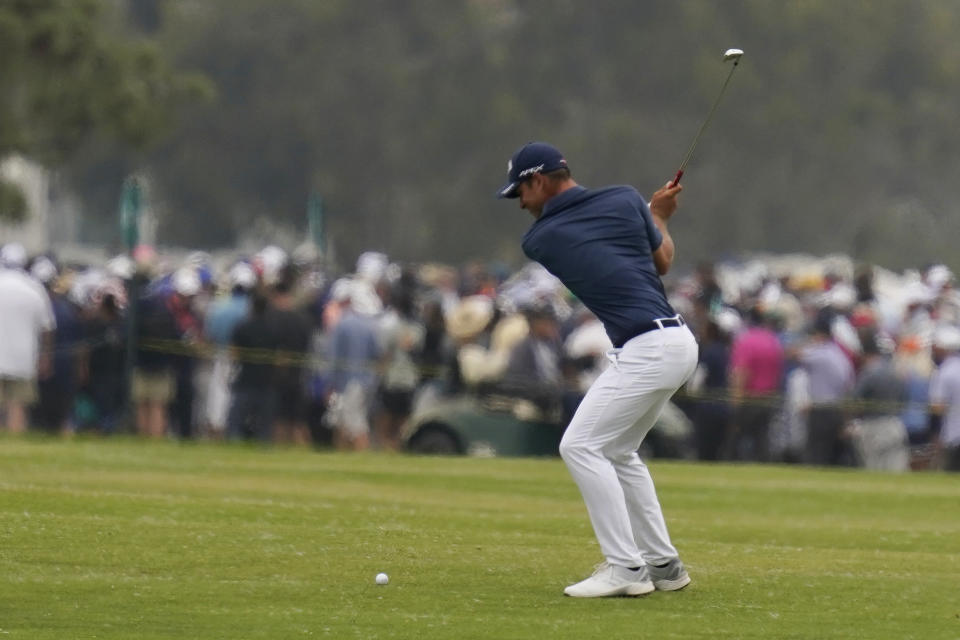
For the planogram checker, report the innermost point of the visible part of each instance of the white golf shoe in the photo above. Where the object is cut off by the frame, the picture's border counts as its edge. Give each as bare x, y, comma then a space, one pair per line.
612, 580
670, 577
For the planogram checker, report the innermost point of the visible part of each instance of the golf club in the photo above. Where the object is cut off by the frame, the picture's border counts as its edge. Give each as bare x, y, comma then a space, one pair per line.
729, 54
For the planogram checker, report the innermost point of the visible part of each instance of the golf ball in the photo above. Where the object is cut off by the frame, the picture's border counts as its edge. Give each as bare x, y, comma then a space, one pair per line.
382, 578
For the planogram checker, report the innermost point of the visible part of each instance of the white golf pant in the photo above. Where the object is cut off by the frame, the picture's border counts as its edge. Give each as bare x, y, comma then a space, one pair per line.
600, 444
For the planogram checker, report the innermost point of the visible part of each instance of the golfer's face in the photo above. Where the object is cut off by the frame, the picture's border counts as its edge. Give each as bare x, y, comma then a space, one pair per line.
531, 195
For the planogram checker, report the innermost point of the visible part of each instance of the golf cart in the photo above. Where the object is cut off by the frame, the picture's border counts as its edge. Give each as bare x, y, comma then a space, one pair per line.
499, 426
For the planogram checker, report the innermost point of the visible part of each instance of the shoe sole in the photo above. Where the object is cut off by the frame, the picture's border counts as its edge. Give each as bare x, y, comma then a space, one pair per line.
628, 591
641, 589
672, 585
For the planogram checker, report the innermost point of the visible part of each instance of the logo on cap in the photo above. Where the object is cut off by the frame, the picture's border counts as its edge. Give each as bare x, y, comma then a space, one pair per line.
531, 171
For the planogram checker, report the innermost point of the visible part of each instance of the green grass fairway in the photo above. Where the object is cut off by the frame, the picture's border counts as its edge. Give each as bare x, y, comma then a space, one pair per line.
127, 539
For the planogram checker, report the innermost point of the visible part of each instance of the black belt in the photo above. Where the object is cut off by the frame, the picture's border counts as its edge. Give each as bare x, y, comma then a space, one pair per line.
660, 323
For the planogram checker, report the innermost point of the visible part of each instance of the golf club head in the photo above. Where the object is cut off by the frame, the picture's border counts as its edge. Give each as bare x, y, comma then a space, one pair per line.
732, 54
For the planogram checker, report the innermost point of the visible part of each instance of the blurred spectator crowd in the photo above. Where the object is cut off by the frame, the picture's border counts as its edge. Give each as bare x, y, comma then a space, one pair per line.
801, 360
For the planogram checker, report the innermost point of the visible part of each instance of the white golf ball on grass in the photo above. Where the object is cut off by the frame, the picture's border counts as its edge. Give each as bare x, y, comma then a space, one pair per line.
382, 578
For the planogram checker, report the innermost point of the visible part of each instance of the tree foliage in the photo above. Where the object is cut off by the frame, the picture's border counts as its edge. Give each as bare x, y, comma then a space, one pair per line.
837, 133
68, 74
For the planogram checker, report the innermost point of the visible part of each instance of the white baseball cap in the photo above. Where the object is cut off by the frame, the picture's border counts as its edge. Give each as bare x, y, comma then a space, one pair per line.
938, 276
186, 282
946, 337
13, 255
121, 266
371, 265
364, 299
43, 269
728, 321
242, 275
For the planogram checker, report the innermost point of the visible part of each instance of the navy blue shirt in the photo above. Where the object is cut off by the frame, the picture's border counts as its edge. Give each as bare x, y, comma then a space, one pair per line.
600, 244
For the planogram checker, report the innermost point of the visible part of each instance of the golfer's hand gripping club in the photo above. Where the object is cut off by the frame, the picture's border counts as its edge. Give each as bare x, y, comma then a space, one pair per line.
664, 200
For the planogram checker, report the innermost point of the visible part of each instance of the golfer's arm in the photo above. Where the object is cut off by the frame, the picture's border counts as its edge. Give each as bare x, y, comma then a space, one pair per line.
663, 256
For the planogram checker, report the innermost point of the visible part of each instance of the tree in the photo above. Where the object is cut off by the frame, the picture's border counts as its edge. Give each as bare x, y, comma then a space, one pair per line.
69, 75
402, 114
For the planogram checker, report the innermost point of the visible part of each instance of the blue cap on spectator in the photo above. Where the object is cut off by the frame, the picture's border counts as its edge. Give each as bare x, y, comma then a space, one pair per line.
531, 158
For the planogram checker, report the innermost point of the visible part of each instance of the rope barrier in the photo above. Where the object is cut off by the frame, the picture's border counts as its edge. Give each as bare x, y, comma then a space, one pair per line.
316, 362
312, 361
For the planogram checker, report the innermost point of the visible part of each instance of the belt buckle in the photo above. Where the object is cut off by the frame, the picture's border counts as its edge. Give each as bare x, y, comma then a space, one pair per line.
675, 321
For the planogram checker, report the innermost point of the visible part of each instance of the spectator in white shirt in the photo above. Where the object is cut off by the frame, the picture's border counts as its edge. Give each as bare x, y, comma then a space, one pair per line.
26, 327
945, 396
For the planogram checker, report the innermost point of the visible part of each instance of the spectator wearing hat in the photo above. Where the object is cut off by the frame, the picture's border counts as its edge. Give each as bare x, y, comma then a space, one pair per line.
917, 314
223, 316
164, 329
57, 392
914, 365
535, 369
945, 301
788, 434
831, 378
483, 360
879, 436
185, 303
27, 323
945, 396
104, 361
252, 395
707, 298
354, 353
402, 336
332, 303
712, 412
435, 356
293, 331
468, 324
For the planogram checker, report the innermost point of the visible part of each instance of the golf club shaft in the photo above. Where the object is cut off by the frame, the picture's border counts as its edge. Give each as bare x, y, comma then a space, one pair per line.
703, 127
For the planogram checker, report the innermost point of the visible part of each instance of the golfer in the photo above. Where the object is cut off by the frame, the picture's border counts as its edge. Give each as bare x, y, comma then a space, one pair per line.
610, 249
